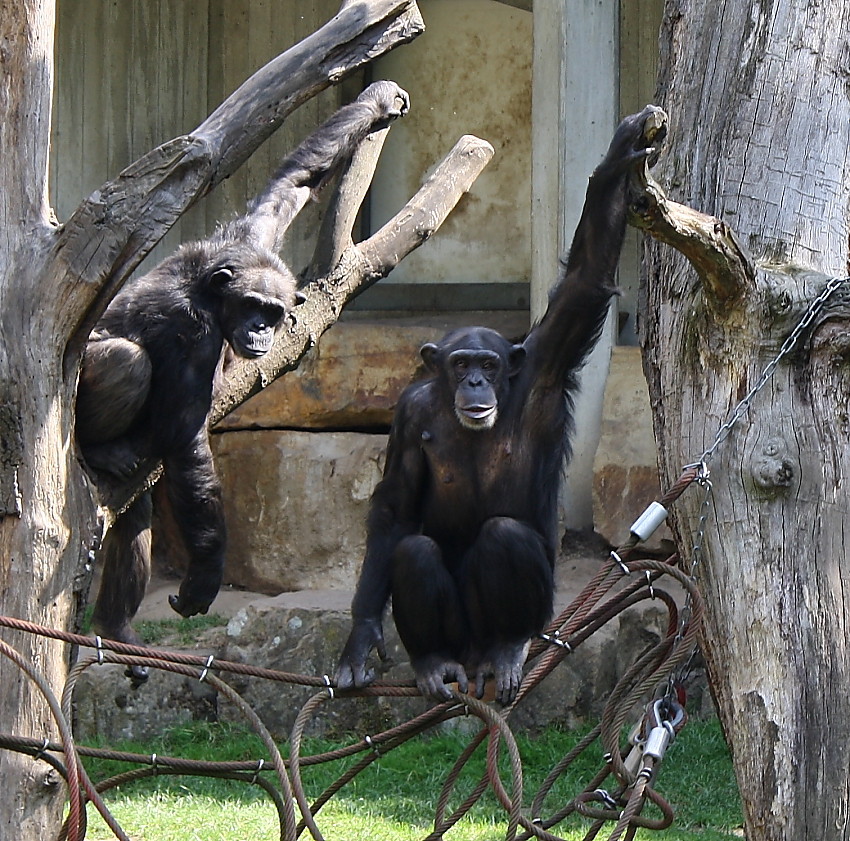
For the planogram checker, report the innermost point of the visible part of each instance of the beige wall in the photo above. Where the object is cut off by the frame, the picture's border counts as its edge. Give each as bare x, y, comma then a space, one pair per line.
469, 73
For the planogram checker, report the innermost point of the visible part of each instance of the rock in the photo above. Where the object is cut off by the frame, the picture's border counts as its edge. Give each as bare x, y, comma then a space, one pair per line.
625, 470
107, 709
350, 380
295, 504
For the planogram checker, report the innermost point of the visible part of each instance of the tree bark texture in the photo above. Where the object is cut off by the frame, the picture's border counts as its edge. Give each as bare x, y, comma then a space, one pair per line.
759, 130
55, 280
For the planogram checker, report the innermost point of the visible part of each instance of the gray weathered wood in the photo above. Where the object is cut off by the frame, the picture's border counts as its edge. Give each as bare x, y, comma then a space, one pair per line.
749, 146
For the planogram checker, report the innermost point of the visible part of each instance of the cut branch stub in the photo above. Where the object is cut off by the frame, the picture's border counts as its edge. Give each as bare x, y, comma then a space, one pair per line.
707, 242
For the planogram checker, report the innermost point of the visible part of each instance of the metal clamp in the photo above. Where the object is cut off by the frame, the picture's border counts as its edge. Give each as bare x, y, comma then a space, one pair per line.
204, 673
260, 765
620, 562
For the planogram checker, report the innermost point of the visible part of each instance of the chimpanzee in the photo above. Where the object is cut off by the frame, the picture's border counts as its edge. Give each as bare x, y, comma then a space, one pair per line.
462, 527
147, 374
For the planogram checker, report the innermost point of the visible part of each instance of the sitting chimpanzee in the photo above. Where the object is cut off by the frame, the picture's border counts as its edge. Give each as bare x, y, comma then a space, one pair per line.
147, 375
462, 527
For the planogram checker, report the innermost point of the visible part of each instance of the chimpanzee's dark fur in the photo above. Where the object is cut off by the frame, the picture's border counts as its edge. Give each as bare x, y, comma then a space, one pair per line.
462, 527
147, 375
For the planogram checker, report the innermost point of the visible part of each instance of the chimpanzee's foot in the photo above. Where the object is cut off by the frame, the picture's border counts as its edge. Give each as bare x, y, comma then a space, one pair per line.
504, 661
137, 674
433, 672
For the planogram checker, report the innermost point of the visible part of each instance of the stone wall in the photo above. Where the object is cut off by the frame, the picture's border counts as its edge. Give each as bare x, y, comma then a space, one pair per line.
303, 633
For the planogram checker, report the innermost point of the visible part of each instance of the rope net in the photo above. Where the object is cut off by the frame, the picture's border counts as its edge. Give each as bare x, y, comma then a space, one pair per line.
630, 767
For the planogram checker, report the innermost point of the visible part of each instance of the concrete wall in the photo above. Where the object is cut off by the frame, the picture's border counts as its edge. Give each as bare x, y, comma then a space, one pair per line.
469, 73
132, 75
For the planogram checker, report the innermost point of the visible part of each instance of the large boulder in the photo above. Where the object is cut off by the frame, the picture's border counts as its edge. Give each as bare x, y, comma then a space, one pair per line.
304, 632
296, 506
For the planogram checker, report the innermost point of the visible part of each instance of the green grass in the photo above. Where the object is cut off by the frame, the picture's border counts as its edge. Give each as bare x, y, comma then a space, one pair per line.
177, 631
394, 799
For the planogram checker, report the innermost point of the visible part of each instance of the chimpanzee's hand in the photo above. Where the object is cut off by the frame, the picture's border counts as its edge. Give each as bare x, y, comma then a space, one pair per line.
196, 594
115, 457
365, 635
638, 137
390, 100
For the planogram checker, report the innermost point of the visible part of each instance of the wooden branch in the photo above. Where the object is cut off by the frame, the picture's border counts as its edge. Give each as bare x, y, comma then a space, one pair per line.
707, 242
359, 267
114, 229
335, 235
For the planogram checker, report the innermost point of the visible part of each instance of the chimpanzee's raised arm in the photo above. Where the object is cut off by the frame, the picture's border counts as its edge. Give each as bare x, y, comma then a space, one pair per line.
318, 157
578, 303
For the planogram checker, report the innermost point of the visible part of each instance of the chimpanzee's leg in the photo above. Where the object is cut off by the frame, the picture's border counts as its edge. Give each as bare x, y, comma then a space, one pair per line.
508, 588
126, 571
429, 616
114, 385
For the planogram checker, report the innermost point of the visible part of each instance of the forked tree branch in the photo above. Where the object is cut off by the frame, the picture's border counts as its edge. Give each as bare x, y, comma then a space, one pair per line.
114, 229
358, 268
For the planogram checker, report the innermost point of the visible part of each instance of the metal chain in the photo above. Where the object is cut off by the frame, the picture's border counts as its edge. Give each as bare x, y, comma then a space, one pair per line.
787, 346
702, 477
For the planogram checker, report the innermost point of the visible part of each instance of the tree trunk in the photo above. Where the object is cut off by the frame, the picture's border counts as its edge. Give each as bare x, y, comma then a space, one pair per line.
45, 519
761, 142
55, 280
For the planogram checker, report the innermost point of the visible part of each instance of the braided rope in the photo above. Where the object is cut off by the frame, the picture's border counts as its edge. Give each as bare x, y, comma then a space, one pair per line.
608, 594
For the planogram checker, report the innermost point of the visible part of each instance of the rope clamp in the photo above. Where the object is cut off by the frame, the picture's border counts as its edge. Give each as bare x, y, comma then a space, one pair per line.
98, 644
604, 797
555, 639
371, 744
204, 673
620, 562
43, 749
260, 765
154, 765
649, 584
328, 686
658, 741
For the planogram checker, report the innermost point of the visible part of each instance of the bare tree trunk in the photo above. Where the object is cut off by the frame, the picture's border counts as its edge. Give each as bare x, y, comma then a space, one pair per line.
760, 127
55, 280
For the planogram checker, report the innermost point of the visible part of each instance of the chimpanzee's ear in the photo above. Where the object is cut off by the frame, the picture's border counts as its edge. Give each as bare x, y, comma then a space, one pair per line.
516, 359
430, 354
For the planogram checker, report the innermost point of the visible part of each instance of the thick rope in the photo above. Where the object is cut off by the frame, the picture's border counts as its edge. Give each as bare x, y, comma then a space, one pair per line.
615, 588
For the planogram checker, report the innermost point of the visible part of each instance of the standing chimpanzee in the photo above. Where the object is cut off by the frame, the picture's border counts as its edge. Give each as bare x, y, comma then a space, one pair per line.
462, 529
147, 374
